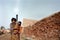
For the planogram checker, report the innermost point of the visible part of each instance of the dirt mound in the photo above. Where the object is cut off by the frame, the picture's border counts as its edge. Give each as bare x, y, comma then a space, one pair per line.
46, 29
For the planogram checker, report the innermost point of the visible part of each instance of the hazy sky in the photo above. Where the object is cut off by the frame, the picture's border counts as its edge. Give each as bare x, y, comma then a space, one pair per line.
32, 9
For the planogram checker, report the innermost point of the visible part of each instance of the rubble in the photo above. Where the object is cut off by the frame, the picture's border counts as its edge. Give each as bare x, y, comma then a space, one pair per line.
45, 29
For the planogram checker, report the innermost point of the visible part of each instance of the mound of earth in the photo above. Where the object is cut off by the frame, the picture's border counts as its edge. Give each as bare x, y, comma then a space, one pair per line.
45, 29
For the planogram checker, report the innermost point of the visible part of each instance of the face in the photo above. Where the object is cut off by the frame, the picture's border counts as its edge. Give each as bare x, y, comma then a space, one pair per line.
13, 21
19, 24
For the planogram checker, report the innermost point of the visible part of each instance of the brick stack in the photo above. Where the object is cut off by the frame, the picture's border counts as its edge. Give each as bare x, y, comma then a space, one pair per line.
46, 29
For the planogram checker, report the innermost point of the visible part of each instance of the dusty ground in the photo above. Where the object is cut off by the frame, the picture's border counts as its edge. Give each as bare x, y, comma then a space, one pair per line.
5, 36
8, 37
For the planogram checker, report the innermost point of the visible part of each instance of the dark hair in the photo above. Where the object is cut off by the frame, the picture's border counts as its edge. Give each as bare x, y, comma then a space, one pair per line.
19, 23
13, 19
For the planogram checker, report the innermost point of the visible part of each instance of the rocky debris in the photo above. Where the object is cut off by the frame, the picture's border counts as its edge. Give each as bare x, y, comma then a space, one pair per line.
6, 36
45, 29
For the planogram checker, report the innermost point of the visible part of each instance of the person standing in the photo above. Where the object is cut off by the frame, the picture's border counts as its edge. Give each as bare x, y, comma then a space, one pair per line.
12, 29
19, 29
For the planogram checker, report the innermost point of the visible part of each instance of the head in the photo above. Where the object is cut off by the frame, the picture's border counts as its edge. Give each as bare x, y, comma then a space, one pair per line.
13, 20
19, 23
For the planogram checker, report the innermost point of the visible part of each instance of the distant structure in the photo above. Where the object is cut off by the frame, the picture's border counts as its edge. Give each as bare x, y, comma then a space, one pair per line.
28, 22
17, 17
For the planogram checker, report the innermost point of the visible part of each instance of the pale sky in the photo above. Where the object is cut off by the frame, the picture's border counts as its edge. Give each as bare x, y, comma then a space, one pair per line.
32, 9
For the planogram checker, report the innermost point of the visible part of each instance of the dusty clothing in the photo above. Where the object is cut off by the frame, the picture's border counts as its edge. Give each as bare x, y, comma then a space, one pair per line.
12, 27
14, 37
19, 29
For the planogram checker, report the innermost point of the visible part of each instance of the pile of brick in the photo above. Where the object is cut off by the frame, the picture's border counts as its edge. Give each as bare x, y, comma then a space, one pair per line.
45, 29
